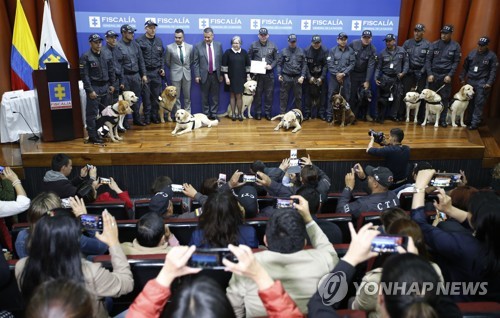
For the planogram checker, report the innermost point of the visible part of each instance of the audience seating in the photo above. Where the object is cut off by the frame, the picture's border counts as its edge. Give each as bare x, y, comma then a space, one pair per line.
330, 206
349, 313
265, 201
406, 198
118, 210
341, 249
479, 309
368, 217
342, 220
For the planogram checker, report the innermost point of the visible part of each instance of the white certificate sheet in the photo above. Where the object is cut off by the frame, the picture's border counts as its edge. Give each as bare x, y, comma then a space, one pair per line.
258, 67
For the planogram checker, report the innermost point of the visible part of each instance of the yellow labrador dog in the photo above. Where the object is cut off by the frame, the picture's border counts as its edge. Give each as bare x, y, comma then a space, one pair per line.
250, 87
459, 105
130, 97
433, 105
166, 102
291, 119
185, 122
412, 101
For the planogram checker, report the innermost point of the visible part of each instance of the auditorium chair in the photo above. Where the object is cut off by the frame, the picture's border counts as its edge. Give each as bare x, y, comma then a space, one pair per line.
332, 199
118, 210
342, 220
479, 309
265, 201
368, 217
406, 198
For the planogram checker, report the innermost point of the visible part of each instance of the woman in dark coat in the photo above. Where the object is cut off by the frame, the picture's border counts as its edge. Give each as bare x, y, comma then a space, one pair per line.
236, 70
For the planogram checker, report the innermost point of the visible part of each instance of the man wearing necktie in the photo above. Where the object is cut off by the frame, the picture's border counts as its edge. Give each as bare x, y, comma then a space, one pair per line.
178, 58
207, 62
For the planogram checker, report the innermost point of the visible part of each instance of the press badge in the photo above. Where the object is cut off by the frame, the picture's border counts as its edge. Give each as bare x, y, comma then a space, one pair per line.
391, 65
476, 68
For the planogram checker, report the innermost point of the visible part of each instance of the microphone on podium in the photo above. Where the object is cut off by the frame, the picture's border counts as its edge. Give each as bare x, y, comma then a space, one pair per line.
34, 137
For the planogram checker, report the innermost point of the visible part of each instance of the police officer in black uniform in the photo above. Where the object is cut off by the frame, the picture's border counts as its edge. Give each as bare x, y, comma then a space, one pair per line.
98, 75
391, 68
134, 70
267, 51
291, 73
417, 49
110, 47
340, 63
480, 69
441, 64
366, 58
315, 76
152, 51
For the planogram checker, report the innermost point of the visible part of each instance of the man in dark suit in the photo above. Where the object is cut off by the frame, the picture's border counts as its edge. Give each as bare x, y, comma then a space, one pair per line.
207, 62
178, 58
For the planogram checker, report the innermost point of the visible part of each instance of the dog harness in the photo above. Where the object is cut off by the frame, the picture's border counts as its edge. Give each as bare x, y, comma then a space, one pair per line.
189, 121
298, 116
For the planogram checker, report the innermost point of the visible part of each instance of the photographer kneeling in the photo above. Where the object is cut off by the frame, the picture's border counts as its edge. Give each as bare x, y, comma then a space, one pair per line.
397, 156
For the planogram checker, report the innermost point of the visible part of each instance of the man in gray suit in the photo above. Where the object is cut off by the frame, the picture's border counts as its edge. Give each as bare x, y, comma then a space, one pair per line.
178, 58
207, 61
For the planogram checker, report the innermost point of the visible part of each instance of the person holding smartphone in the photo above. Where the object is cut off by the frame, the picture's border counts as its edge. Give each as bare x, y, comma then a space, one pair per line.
21, 203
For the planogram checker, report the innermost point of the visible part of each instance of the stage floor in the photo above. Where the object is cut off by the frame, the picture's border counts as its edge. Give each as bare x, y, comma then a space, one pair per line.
234, 142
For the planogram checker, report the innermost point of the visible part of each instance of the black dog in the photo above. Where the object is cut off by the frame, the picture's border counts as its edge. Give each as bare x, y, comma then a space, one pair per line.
315, 91
363, 102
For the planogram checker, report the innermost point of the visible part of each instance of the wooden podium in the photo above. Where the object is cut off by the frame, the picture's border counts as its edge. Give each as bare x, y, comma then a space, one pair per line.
60, 112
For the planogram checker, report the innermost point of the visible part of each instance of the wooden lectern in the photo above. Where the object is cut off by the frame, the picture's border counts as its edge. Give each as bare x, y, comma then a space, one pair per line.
59, 102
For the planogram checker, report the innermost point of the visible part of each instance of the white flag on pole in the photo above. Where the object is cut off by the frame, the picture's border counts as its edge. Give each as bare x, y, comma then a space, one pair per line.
50, 48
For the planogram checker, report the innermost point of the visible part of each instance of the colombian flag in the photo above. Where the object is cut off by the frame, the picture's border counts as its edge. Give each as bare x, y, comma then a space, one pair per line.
24, 54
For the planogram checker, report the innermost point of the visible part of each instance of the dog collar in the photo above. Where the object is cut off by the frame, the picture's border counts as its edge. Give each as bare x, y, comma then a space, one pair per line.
115, 111
246, 94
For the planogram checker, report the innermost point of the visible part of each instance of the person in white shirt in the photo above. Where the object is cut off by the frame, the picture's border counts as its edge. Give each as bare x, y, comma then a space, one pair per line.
22, 202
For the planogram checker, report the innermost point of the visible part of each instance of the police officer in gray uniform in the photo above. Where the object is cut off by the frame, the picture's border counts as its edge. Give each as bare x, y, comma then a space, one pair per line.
98, 75
366, 57
292, 70
110, 47
340, 61
134, 70
441, 64
264, 50
480, 68
315, 77
417, 49
391, 68
152, 52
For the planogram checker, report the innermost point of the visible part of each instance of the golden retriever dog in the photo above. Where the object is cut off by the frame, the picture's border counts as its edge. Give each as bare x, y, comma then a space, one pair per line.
250, 87
185, 122
166, 102
412, 101
291, 119
459, 105
130, 97
433, 105
342, 113
107, 124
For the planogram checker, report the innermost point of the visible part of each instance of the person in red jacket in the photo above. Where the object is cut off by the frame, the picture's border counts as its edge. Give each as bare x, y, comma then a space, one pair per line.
156, 293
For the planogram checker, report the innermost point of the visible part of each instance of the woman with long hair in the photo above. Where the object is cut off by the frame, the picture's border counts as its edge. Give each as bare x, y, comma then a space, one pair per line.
44, 204
55, 254
222, 223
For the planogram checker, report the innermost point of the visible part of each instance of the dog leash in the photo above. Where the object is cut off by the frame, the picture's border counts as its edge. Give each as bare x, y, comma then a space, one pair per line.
441, 87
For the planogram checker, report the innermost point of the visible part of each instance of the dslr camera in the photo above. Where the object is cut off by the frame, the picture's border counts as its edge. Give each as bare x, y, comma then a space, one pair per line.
378, 136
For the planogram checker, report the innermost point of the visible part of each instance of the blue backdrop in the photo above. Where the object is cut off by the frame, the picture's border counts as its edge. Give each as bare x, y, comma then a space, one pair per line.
244, 18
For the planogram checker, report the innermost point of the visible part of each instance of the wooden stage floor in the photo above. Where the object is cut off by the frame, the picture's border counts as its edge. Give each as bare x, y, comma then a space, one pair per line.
234, 142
